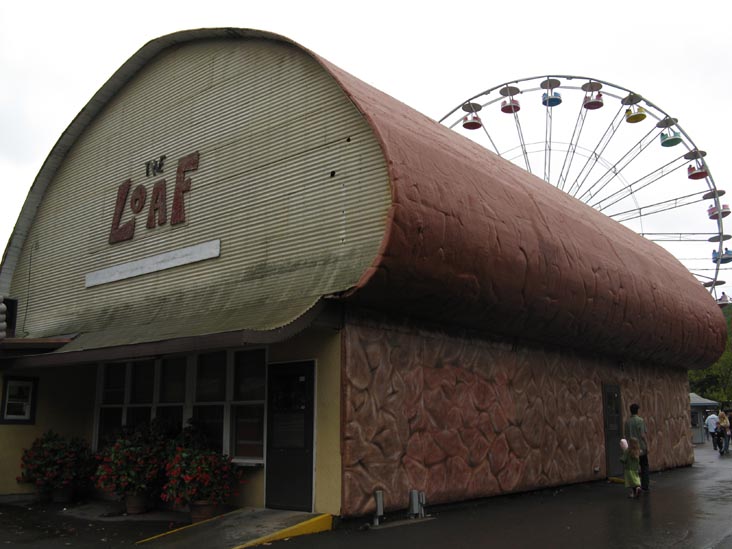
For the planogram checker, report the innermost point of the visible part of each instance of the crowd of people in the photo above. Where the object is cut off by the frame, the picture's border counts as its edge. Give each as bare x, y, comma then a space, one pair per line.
717, 427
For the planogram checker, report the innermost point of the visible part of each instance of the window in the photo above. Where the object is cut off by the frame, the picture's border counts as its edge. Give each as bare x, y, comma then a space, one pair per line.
128, 398
210, 406
250, 374
211, 377
143, 378
173, 380
229, 402
19, 400
110, 422
222, 391
114, 383
172, 392
248, 432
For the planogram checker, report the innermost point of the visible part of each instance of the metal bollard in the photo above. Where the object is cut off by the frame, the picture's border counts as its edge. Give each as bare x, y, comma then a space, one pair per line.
413, 504
379, 514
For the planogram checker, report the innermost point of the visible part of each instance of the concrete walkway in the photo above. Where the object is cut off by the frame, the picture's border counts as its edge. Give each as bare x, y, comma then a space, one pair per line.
239, 529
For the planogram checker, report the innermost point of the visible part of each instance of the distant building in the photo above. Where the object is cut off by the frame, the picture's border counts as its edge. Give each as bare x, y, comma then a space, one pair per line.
348, 295
700, 407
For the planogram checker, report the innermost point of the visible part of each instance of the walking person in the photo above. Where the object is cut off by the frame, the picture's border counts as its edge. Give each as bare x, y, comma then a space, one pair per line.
631, 466
723, 426
635, 427
711, 424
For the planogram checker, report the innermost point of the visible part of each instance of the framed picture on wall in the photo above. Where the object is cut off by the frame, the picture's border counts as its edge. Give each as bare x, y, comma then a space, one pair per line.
20, 395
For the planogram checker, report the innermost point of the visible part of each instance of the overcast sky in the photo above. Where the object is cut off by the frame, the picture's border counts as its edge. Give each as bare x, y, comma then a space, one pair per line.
431, 55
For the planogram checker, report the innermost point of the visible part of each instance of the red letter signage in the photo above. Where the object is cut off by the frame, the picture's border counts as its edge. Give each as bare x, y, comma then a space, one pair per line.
126, 231
158, 205
157, 213
182, 185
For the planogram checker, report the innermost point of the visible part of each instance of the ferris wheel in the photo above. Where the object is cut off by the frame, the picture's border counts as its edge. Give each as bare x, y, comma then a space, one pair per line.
614, 150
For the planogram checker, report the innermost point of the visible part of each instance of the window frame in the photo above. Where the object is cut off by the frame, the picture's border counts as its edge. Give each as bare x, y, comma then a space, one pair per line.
30, 418
191, 371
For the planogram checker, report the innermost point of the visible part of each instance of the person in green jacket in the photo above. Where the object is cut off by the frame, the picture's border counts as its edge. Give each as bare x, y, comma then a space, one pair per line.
635, 428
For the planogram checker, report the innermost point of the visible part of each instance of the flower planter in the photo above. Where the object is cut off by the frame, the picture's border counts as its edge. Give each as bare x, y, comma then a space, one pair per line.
203, 510
131, 467
203, 479
57, 466
135, 504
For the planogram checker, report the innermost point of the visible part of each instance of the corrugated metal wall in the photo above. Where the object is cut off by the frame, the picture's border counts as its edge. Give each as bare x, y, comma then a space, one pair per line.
290, 179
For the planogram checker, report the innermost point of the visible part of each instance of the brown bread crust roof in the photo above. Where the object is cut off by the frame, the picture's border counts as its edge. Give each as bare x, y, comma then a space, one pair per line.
475, 241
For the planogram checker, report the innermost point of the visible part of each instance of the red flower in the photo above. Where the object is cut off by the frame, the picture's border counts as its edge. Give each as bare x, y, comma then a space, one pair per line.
199, 475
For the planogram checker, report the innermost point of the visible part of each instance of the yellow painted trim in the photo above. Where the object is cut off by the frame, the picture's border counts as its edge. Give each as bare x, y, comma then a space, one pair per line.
186, 527
321, 523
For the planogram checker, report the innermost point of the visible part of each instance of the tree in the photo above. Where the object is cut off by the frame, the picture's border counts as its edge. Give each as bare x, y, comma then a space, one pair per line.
715, 382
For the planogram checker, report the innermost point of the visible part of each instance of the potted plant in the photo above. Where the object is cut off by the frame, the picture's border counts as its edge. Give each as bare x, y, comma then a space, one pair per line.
58, 466
202, 479
132, 467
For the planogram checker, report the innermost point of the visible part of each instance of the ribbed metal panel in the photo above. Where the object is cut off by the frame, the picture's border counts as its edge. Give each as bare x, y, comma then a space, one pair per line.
290, 179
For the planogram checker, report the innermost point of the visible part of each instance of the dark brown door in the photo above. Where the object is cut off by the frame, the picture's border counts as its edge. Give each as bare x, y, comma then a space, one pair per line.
613, 429
290, 399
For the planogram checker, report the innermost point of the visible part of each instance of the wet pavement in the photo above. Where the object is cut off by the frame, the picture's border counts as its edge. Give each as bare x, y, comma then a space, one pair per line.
99, 524
687, 508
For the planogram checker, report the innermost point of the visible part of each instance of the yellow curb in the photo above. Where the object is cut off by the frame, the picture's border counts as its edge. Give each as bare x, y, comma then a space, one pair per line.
186, 527
616, 480
314, 525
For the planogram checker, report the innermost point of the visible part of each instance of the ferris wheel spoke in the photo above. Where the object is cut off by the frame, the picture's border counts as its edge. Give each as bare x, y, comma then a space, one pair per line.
651, 209
522, 142
592, 160
681, 237
622, 163
638, 185
709, 281
548, 144
572, 148
488, 135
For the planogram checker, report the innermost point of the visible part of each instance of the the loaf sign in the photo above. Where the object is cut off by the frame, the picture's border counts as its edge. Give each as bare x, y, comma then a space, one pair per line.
157, 207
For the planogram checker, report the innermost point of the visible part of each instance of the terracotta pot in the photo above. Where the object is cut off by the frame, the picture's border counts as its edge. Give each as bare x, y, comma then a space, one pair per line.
135, 504
203, 510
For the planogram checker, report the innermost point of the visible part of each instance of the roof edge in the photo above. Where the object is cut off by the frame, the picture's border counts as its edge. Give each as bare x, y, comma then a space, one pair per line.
320, 312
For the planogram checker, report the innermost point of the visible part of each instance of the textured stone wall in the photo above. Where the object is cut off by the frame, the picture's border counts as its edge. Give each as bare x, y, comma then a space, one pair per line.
462, 418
